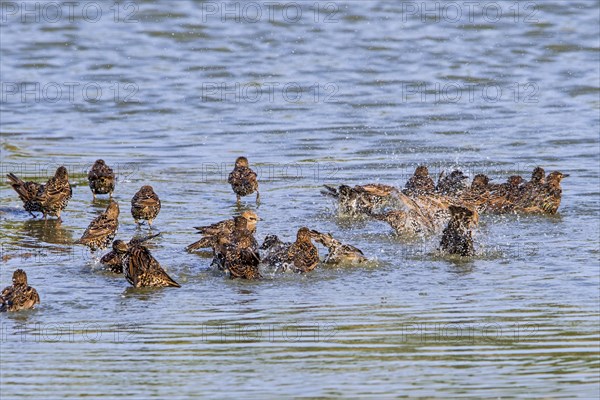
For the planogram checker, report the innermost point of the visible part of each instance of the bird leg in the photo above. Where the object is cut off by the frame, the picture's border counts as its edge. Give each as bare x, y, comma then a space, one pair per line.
257, 197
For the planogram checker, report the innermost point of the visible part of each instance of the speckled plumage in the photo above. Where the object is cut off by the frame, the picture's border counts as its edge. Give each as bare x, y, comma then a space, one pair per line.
145, 205
457, 237
143, 270
243, 179
362, 198
417, 215
113, 260
103, 229
18, 296
212, 233
238, 254
478, 195
420, 182
49, 199
452, 184
546, 198
302, 255
339, 253
504, 196
101, 179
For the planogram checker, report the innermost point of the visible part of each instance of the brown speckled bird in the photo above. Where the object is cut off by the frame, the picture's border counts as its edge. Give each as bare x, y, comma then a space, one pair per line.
478, 195
504, 196
420, 182
302, 255
113, 260
418, 215
212, 233
537, 181
243, 180
103, 229
18, 296
145, 205
339, 253
362, 198
101, 179
238, 254
49, 199
273, 250
142, 269
546, 198
457, 237
453, 184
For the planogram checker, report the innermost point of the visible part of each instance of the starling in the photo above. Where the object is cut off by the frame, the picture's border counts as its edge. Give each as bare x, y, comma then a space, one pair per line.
453, 184
101, 179
49, 199
145, 205
113, 260
478, 195
339, 253
362, 199
420, 182
212, 233
537, 181
504, 197
274, 252
141, 268
418, 215
303, 255
546, 198
243, 179
103, 229
457, 237
239, 252
19, 296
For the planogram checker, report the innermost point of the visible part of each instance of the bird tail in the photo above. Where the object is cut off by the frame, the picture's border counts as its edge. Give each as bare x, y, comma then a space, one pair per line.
170, 281
331, 191
19, 186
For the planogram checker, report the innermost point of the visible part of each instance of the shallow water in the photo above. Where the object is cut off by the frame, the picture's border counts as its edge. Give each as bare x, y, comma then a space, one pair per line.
357, 92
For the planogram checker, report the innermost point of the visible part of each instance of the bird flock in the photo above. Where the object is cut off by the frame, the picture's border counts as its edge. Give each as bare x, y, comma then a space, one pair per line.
449, 208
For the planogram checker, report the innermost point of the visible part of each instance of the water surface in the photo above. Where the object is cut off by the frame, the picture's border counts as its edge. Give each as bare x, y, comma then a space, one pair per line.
358, 92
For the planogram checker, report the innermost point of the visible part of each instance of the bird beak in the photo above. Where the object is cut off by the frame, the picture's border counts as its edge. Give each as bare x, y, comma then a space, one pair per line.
565, 175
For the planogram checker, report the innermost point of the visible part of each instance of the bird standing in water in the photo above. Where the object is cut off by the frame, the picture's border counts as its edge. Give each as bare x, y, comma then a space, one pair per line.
145, 205
49, 199
238, 253
18, 296
547, 197
101, 179
243, 180
302, 255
